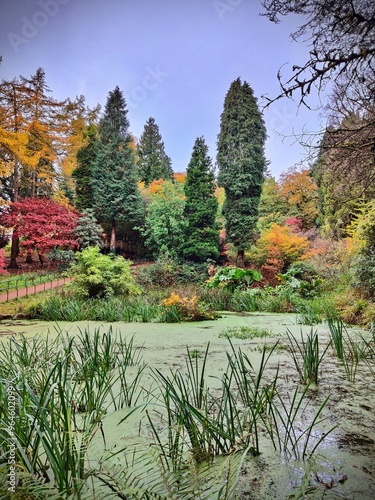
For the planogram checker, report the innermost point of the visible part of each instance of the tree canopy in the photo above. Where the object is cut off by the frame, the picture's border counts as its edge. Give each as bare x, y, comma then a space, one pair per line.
201, 206
41, 224
153, 162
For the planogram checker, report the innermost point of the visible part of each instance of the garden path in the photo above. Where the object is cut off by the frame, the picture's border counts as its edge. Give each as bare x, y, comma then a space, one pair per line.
32, 289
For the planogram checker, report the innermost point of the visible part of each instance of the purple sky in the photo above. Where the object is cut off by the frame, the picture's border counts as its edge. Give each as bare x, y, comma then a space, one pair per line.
173, 60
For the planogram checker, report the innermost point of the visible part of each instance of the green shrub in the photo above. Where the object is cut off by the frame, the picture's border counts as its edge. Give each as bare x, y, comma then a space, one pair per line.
303, 279
98, 275
234, 277
166, 272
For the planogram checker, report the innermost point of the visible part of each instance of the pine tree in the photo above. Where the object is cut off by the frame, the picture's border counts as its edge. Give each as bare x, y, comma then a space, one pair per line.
153, 163
201, 206
114, 179
241, 163
88, 231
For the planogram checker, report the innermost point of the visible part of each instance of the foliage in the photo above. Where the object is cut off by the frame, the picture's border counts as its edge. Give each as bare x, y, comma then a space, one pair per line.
84, 197
298, 190
241, 164
306, 356
62, 389
363, 278
64, 257
302, 277
185, 309
2, 262
280, 243
363, 231
234, 277
42, 224
201, 205
165, 223
153, 163
88, 231
245, 332
166, 272
272, 208
98, 275
345, 167
31, 134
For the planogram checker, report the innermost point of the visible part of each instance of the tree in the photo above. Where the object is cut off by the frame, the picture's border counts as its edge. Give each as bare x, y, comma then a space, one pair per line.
153, 163
41, 224
299, 191
279, 243
88, 231
79, 125
271, 208
165, 223
82, 174
114, 180
241, 163
30, 140
201, 206
342, 40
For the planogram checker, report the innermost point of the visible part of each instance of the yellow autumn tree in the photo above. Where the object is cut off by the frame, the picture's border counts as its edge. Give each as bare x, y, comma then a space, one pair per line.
278, 243
298, 190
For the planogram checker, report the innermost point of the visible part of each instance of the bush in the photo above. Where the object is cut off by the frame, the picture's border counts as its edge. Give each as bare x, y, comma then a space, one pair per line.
168, 272
280, 243
234, 277
98, 275
303, 279
178, 308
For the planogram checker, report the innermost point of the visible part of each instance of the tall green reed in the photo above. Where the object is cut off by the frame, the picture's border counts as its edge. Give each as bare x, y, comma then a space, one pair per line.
62, 388
306, 355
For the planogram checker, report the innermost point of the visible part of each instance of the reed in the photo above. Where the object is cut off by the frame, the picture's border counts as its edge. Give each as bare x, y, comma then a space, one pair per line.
306, 356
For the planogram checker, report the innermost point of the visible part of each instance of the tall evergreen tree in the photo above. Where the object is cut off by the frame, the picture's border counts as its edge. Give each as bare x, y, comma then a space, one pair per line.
241, 163
82, 174
153, 163
202, 237
114, 179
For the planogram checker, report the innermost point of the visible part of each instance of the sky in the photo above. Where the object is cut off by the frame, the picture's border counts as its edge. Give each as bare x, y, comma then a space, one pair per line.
174, 60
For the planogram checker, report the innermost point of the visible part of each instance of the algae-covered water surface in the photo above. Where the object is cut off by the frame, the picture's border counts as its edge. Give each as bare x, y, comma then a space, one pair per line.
313, 440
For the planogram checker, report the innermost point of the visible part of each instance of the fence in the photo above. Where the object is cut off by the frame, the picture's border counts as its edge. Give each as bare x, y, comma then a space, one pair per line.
16, 287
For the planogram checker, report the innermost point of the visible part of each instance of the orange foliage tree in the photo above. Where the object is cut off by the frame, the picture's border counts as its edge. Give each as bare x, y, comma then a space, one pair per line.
299, 191
278, 245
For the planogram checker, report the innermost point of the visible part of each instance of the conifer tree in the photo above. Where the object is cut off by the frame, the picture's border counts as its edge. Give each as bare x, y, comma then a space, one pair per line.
153, 163
83, 172
114, 180
241, 163
88, 231
201, 206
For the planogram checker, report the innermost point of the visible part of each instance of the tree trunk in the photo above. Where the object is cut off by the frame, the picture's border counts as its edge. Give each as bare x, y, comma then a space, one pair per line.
112, 244
15, 181
29, 259
240, 261
14, 251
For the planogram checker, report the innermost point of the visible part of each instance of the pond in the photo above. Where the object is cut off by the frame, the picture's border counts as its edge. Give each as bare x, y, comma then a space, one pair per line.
343, 464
